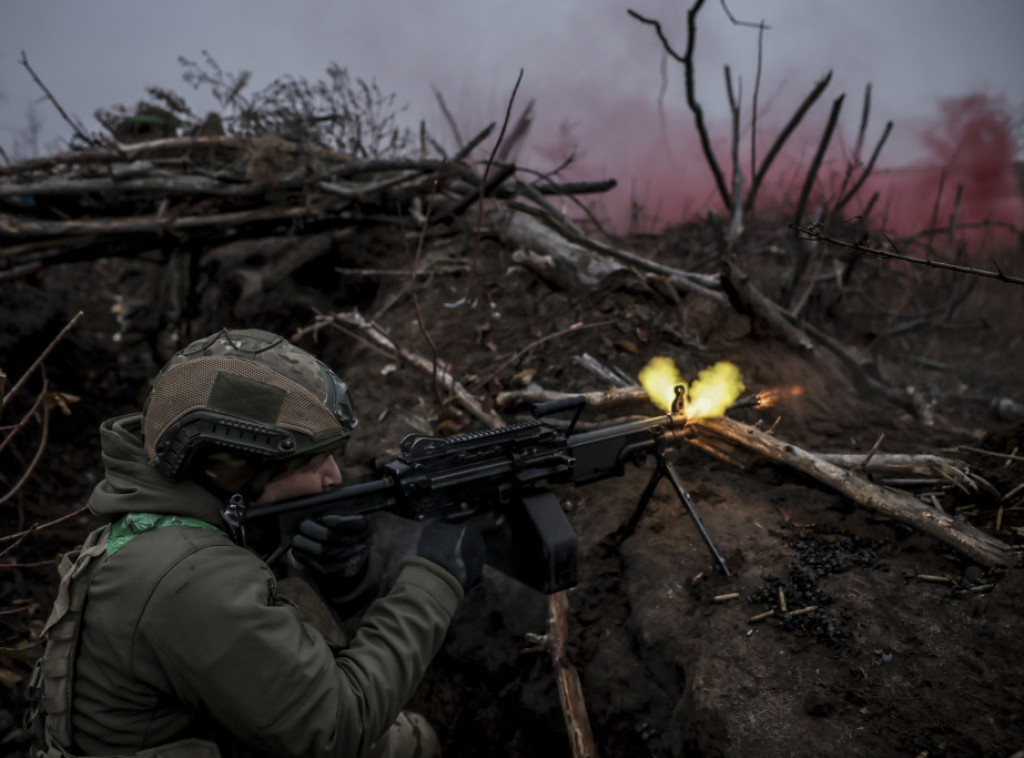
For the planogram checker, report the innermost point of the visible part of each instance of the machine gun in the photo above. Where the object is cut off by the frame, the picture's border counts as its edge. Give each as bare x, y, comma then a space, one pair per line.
499, 478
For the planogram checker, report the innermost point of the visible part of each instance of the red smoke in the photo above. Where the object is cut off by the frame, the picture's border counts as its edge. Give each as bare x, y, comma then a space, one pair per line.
664, 177
970, 151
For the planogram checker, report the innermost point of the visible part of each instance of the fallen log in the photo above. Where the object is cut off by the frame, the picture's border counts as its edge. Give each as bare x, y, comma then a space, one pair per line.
592, 260
963, 537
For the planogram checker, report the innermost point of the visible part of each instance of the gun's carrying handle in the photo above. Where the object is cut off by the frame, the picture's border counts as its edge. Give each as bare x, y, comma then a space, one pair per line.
576, 402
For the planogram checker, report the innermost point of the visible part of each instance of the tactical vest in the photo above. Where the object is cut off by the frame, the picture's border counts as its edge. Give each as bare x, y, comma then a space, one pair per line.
52, 682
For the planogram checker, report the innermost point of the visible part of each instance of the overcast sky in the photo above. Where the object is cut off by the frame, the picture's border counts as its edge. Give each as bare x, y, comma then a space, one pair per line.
585, 62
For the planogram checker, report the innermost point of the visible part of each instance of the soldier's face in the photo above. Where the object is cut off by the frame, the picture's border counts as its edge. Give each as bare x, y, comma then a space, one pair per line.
322, 473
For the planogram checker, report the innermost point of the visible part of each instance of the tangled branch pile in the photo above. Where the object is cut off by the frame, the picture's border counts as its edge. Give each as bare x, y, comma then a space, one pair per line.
205, 192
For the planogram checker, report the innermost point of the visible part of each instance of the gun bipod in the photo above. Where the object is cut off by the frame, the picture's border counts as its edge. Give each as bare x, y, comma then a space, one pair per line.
666, 468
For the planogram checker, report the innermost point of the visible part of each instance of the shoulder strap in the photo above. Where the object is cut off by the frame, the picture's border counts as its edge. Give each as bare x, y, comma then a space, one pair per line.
55, 671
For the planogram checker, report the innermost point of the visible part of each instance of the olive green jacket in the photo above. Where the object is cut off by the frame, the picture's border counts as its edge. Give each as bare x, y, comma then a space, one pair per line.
185, 635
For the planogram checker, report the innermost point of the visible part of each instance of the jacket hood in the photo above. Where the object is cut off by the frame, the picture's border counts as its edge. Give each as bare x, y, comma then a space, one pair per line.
133, 485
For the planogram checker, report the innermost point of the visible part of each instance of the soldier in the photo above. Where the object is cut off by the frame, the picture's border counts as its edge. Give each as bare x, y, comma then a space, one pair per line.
169, 638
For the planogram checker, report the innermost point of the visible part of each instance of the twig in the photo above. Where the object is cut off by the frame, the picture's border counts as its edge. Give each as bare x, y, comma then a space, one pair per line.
863, 465
40, 527
448, 116
983, 224
472, 144
980, 451
536, 343
41, 358
813, 234
45, 424
49, 96
518, 132
412, 289
478, 237
24, 419
34, 564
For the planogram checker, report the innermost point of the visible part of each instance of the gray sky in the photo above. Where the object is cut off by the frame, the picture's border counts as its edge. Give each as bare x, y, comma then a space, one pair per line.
586, 62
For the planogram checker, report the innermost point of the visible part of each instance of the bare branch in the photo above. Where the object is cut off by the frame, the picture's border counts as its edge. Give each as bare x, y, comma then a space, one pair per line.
737, 22
448, 117
691, 99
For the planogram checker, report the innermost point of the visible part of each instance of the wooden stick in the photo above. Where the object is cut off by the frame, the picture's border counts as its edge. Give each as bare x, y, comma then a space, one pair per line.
570, 692
748, 298
971, 542
377, 334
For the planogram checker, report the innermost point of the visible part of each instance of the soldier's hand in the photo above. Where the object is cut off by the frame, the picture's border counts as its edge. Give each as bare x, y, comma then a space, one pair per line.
458, 549
335, 546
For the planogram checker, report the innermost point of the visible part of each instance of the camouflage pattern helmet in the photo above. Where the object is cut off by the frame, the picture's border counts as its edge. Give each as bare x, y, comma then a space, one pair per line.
244, 394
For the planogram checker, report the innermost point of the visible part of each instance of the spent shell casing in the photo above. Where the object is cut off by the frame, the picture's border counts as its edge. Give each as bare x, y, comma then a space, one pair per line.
934, 578
802, 611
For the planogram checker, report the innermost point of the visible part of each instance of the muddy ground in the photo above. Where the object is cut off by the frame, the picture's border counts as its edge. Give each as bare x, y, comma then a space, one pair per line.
887, 665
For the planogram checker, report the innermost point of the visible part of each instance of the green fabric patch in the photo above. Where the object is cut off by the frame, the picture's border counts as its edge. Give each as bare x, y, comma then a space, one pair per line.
235, 395
131, 525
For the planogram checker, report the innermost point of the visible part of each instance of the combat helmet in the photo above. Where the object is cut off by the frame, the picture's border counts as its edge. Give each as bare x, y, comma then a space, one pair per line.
243, 403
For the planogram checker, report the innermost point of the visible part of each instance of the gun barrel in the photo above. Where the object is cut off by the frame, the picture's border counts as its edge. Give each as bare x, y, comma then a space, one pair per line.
602, 453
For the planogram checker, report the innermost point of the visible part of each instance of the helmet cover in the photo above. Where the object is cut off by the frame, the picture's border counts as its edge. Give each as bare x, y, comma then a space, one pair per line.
244, 392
